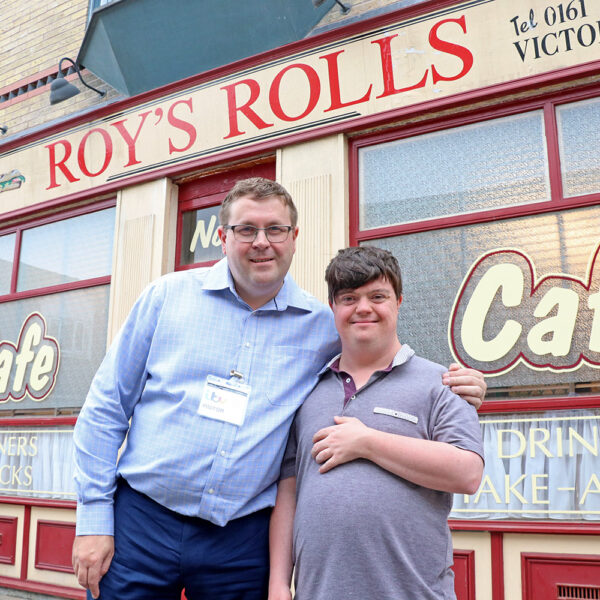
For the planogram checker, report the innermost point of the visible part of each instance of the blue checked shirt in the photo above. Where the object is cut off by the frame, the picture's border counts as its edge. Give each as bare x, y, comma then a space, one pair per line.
186, 326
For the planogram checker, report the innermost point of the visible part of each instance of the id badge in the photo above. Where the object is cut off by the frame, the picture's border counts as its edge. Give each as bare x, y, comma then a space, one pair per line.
224, 400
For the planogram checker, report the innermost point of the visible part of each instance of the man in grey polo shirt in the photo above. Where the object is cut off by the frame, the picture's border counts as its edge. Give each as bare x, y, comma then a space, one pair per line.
374, 456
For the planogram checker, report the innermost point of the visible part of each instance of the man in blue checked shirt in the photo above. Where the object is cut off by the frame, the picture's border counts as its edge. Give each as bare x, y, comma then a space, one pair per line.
204, 379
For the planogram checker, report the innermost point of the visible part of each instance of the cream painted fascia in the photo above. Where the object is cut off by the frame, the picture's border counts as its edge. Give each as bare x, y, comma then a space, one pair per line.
18, 512
144, 244
515, 544
480, 542
42, 575
316, 175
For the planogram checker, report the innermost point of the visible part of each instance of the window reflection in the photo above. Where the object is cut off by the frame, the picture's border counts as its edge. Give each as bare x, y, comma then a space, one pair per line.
71, 250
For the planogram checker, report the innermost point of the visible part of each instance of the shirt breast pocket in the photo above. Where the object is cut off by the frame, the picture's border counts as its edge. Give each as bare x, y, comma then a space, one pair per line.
291, 374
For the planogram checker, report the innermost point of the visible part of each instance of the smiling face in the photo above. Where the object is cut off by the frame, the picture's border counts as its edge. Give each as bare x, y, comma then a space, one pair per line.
366, 317
258, 267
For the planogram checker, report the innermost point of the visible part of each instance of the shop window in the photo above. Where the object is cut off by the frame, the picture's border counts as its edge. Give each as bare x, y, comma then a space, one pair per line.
538, 466
54, 312
462, 170
65, 251
496, 226
445, 315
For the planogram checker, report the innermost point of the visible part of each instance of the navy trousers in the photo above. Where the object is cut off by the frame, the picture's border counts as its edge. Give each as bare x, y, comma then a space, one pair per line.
158, 553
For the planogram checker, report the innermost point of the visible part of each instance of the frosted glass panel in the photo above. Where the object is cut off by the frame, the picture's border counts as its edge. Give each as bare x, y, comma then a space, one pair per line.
579, 140
487, 165
7, 249
435, 263
70, 250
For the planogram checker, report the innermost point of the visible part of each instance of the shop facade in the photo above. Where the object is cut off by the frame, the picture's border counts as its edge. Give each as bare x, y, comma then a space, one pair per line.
461, 136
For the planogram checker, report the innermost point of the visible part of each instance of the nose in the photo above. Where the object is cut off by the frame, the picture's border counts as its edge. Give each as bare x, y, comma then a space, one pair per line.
261, 241
363, 305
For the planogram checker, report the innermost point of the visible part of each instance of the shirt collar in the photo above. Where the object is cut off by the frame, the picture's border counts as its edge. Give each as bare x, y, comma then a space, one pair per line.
219, 278
402, 356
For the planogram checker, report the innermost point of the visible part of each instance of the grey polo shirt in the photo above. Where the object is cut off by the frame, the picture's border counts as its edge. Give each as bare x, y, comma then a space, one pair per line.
361, 532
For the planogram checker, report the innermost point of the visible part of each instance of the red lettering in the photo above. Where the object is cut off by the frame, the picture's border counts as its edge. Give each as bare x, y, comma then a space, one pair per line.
334, 83
313, 83
54, 164
387, 66
459, 51
108, 152
181, 124
130, 141
249, 113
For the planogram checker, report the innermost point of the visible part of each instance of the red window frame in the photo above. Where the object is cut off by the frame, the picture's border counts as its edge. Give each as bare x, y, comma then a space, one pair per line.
36, 222
211, 191
548, 105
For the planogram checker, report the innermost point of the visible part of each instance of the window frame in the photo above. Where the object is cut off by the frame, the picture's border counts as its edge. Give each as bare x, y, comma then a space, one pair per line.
548, 103
37, 221
45, 420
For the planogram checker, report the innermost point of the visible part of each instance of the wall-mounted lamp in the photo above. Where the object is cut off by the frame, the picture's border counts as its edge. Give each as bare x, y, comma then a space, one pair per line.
345, 9
61, 89
3, 129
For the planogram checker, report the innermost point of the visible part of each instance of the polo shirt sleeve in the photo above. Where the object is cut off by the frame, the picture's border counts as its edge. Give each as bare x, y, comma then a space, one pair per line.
288, 465
455, 421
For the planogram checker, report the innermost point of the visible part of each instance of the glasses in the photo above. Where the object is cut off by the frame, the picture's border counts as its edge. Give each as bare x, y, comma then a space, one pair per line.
247, 233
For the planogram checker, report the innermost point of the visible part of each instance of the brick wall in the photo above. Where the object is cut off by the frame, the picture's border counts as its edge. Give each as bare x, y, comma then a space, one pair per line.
34, 36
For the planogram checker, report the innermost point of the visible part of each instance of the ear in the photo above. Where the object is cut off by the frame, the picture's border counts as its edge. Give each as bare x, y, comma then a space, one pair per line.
295, 233
399, 301
222, 236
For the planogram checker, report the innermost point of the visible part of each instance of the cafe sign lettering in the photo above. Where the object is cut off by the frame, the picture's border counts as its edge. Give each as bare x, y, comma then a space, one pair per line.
505, 315
29, 364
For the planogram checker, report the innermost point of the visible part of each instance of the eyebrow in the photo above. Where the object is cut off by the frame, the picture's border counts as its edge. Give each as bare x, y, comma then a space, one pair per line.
352, 290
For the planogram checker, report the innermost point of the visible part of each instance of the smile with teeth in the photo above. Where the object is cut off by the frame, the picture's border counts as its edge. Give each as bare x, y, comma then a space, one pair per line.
260, 260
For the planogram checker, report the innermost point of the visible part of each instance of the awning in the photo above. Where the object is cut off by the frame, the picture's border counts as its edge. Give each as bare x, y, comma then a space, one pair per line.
138, 45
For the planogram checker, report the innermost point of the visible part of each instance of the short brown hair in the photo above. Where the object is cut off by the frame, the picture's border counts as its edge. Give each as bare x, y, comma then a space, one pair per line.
257, 188
352, 268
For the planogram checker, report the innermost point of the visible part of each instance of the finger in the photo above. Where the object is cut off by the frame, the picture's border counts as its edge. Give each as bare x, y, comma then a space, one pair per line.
328, 465
93, 581
322, 433
466, 390
340, 420
106, 565
94, 589
464, 380
82, 577
317, 448
324, 455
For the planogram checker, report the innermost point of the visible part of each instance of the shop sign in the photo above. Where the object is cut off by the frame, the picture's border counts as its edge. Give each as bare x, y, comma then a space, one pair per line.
504, 315
29, 365
538, 467
37, 463
468, 46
